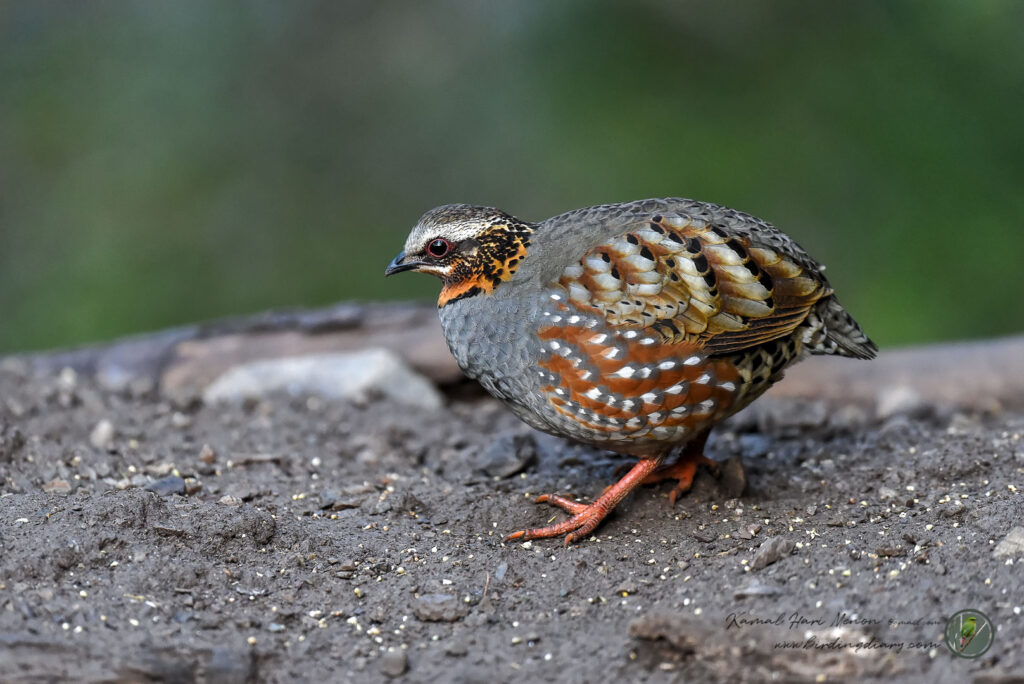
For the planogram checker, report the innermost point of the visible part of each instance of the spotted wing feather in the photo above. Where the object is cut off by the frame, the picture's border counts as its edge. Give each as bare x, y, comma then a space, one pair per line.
692, 281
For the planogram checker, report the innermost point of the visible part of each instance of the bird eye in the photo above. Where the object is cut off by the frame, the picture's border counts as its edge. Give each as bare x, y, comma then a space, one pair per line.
438, 248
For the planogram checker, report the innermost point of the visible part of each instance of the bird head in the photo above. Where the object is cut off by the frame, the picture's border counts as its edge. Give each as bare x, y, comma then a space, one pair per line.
473, 250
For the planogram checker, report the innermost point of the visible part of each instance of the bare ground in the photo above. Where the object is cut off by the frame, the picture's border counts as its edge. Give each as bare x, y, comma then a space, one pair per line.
298, 539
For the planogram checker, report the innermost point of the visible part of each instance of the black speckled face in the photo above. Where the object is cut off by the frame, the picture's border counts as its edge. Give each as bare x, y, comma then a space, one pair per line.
484, 262
472, 249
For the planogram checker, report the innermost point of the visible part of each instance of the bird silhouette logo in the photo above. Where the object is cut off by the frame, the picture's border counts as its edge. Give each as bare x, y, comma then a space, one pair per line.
969, 633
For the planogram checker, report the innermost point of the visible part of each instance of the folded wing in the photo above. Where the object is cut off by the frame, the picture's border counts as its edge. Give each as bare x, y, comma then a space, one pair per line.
719, 286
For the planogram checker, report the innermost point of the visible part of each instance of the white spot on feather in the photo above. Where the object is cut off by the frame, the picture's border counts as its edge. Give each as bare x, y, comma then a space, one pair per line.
573, 271
645, 289
579, 293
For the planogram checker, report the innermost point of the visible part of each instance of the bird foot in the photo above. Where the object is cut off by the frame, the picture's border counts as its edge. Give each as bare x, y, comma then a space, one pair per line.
586, 517
683, 471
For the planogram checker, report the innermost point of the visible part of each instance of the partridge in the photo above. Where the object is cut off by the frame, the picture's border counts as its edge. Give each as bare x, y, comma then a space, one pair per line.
632, 327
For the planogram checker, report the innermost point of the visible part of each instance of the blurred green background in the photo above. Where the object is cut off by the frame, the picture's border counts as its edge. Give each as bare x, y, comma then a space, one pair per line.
166, 162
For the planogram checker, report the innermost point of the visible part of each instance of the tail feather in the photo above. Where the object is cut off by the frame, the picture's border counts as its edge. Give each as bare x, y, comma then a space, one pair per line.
830, 329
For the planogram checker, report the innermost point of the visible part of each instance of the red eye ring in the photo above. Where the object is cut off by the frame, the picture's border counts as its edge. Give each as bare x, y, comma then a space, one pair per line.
438, 248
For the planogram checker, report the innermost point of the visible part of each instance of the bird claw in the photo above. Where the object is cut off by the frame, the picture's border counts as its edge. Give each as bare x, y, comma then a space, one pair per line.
585, 518
684, 470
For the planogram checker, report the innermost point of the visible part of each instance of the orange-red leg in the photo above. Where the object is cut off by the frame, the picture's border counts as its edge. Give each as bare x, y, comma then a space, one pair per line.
685, 468
586, 517
683, 471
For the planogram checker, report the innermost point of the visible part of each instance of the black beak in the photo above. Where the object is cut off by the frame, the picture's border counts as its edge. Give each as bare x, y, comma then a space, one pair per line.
399, 264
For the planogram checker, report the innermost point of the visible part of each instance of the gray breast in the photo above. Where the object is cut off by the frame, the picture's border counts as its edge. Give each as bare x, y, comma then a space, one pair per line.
493, 339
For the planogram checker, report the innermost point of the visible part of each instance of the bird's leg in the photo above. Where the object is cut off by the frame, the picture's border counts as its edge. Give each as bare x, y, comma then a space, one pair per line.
685, 468
586, 517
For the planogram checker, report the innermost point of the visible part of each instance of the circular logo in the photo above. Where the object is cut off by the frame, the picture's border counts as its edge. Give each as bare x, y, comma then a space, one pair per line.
969, 633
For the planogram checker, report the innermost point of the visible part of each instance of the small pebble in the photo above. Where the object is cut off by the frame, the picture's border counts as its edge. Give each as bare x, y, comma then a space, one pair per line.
181, 420
1012, 545
508, 455
439, 608
394, 663
733, 479
57, 487
899, 400
755, 588
207, 455
166, 486
771, 551
102, 436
